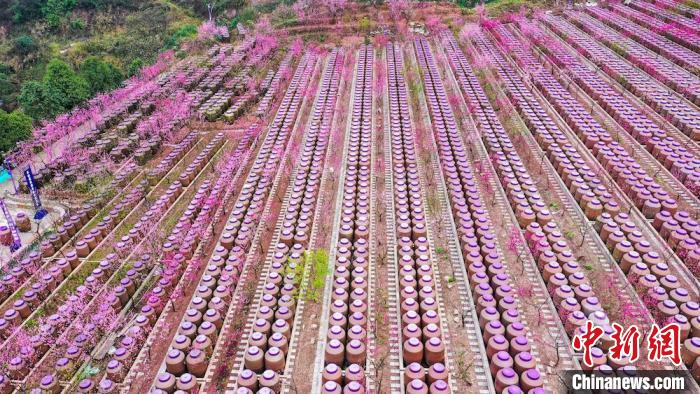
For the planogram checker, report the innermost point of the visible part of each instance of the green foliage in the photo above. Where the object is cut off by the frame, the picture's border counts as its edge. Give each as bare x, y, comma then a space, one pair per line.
186, 31
135, 66
26, 10
8, 88
319, 261
55, 10
619, 49
33, 99
246, 16
61, 90
14, 127
63, 86
364, 24
100, 76
284, 16
467, 3
25, 44
77, 24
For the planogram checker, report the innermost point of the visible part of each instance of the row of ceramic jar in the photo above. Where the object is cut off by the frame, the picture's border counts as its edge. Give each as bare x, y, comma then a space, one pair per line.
422, 339
176, 261
552, 87
229, 257
543, 235
346, 335
540, 239
288, 260
128, 284
671, 51
673, 32
677, 227
671, 12
178, 152
274, 85
679, 113
38, 279
514, 369
668, 150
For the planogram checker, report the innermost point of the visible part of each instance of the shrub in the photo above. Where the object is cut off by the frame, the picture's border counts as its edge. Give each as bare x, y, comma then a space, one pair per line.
186, 31
14, 127
135, 66
26, 10
8, 89
364, 25
77, 24
55, 10
60, 90
25, 44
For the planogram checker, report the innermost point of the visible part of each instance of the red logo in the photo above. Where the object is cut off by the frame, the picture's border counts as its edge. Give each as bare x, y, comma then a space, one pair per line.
663, 343
626, 345
586, 340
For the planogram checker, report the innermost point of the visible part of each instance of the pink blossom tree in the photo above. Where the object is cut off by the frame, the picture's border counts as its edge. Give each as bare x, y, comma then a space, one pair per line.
399, 8
209, 31
335, 7
301, 9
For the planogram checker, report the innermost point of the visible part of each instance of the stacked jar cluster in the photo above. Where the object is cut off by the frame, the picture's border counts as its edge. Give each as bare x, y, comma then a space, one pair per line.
198, 333
675, 110
680, 33
669, 10
38, 283
513, 368
265, 356
675, 53
157, 173
639, 260
649, 196
274, 85
239, 105
681, 160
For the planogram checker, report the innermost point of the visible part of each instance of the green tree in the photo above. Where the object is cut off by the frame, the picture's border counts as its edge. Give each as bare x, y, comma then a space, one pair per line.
33, 99
64, 88
8, 87
99, 75
14, 127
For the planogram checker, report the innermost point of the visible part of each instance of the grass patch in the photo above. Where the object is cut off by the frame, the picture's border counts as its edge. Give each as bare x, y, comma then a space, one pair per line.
319, 271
